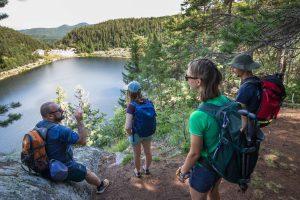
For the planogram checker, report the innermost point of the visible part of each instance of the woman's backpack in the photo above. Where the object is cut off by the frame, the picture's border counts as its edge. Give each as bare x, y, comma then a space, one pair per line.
144, 119
236, 155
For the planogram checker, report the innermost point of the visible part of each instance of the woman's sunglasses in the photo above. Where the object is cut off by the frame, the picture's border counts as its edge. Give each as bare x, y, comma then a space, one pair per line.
190, 77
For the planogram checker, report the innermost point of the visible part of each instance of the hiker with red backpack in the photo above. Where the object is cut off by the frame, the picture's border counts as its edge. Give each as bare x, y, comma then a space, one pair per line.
262, 97
47, 149
140, 125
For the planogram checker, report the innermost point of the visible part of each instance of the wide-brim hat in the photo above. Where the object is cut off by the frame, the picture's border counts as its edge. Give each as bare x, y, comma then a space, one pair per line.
244, 62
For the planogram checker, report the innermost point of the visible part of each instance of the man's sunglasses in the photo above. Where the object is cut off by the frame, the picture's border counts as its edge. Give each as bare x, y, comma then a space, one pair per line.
190, 77
58, 110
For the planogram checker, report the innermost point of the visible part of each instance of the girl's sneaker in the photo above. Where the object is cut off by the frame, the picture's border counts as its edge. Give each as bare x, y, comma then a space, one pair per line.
146, 171
137, 173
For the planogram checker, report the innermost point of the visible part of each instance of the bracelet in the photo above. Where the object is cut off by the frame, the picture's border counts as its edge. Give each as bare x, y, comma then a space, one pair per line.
183, 176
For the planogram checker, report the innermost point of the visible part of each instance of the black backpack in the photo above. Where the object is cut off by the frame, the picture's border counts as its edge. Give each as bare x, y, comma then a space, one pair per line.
236, 154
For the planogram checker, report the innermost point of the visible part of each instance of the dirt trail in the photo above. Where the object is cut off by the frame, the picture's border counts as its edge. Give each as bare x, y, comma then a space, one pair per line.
277, 175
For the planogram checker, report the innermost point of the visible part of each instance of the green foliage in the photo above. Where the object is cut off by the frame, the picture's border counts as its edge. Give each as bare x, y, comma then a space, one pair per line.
127, 159
11, 117
185, 147
93, 119
216, 30
112, 33
2, 4
3, 109
156, 159
15, 104
120, 146
101, 132
17, 49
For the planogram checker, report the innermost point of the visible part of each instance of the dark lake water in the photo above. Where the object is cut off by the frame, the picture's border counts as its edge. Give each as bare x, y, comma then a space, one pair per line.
100, 77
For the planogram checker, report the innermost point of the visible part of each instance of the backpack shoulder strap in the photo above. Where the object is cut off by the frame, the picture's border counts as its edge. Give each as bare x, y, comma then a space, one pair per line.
209, 109
214, 110
257, 83
42, 131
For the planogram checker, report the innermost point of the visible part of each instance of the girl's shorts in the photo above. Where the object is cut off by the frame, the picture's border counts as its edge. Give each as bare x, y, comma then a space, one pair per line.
135, 139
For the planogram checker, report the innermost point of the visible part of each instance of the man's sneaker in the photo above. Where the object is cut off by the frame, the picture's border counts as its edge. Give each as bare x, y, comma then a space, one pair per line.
103, 186
137, 173
146, 171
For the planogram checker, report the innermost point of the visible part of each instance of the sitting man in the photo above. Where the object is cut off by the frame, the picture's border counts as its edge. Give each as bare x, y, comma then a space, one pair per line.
59, 143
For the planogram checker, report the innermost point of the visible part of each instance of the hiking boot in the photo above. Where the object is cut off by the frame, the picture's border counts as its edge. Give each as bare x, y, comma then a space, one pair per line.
137, 173
104, 184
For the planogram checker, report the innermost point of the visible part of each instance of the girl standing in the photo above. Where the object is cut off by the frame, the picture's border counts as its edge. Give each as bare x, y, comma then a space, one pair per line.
140, 125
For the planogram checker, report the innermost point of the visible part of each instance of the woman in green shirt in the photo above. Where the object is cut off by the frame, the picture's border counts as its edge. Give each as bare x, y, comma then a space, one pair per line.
204, 77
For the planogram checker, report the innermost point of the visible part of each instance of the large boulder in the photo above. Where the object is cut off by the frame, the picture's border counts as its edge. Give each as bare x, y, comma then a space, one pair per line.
15, 183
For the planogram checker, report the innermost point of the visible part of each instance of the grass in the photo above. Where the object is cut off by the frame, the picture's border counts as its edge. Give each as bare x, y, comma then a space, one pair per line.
259, 194
257, 182
185, 147
283, 165
273, 186
275, 152
156, 159
120, 146
270, 159
128, 158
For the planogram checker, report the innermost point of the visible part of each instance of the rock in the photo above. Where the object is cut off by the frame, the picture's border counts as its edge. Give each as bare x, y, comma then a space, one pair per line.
15, 183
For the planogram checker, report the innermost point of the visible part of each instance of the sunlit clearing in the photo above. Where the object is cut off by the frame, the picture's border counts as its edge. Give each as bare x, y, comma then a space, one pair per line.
271, 157
146, 186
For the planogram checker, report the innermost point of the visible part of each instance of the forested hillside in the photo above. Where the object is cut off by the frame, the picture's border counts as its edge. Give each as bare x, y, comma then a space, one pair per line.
112, 33
51, 35
16, 48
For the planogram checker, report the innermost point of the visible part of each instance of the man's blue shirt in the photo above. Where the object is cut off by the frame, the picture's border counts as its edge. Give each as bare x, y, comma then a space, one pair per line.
59, 141
249, 94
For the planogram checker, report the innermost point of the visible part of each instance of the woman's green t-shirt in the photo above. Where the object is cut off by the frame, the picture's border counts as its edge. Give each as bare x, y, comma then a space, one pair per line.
205, 126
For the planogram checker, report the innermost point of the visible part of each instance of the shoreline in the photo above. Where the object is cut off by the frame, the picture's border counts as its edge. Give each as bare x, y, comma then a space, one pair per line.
112, 53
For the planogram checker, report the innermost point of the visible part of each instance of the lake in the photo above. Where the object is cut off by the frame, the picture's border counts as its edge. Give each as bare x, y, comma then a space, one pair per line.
100, 77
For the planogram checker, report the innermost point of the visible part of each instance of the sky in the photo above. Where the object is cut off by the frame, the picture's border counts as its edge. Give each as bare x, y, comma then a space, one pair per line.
24, 14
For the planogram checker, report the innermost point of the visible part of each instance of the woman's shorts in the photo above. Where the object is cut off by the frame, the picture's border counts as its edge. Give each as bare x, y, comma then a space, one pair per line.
203, 179
136, 139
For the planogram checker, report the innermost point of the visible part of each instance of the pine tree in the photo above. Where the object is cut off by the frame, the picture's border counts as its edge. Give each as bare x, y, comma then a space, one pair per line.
2, 4
5, 108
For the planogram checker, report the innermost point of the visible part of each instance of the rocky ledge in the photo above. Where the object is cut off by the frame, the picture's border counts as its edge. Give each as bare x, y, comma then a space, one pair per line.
15, 183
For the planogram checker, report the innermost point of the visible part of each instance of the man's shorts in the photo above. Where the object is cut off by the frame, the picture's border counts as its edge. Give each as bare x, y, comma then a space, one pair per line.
136, 139
203, 179
76, 171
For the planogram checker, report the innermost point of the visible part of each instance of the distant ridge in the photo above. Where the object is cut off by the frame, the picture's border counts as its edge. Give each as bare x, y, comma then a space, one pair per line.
51, 35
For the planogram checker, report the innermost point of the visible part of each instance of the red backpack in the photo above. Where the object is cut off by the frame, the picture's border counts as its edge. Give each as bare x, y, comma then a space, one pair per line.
271, 98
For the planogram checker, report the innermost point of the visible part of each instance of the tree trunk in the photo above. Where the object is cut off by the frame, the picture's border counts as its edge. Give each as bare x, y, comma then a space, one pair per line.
282, 61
